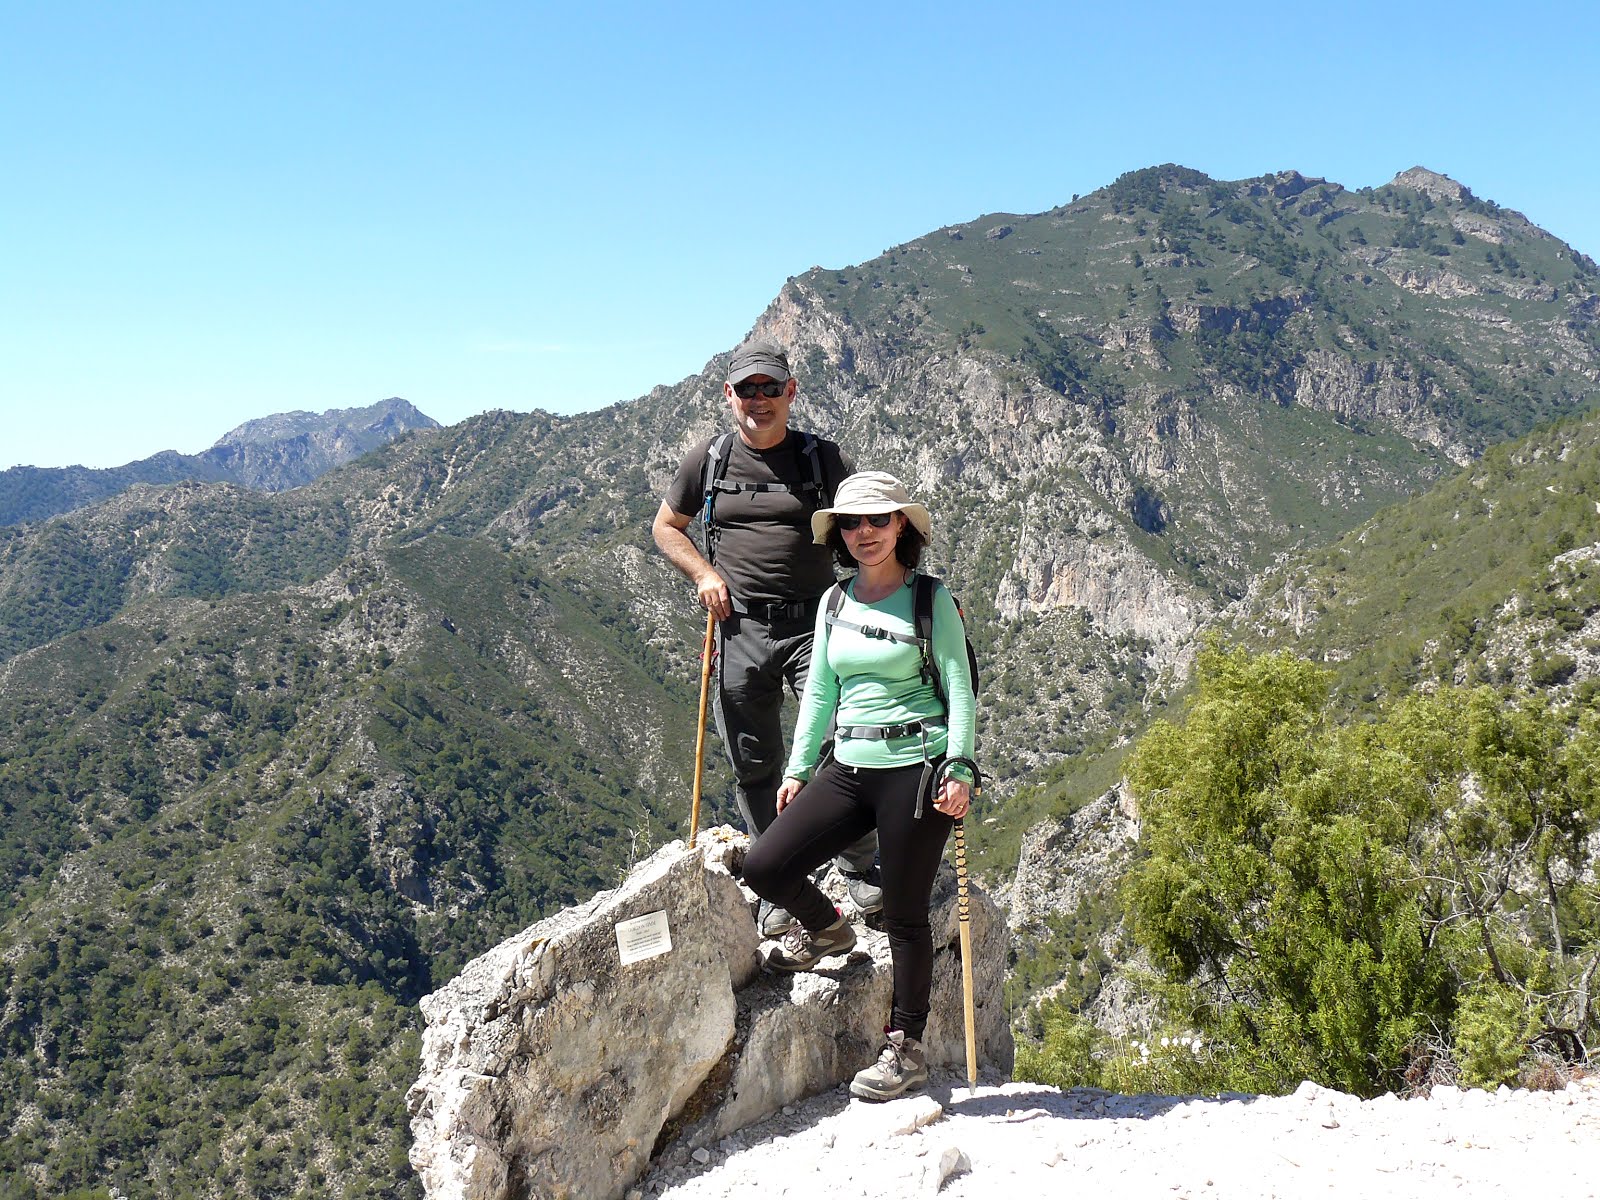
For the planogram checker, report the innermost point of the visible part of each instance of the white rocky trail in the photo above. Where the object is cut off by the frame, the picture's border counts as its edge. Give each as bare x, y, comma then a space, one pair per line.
1020, 1140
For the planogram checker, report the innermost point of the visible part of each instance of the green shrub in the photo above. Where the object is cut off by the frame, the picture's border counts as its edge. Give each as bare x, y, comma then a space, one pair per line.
1492, 1027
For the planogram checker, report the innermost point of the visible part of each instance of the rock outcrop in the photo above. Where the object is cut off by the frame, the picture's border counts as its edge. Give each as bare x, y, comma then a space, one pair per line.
1064, 858
1433, 184
550, 1068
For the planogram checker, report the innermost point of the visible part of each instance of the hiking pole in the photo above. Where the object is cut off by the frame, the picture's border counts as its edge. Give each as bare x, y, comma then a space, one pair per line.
700, 737
964, 914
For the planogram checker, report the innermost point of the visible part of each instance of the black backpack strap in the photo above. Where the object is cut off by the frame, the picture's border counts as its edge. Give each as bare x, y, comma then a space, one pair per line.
814, 493
923, 588
716, 468
835, 601
811, 452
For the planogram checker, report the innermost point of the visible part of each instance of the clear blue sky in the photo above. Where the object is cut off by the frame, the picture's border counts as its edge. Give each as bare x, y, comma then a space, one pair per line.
212, 212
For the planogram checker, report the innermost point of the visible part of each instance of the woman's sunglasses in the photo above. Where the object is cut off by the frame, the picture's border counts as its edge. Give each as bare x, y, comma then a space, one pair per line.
747, 391
876, 520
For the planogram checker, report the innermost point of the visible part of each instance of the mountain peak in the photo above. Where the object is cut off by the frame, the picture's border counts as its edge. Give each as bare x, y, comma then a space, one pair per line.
393, 412
1432, 184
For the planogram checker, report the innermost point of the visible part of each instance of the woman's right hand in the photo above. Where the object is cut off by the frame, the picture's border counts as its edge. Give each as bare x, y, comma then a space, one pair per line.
787, 791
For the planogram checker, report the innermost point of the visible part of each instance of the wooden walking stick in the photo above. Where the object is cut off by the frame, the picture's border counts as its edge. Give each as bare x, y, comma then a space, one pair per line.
700, 737
964, 913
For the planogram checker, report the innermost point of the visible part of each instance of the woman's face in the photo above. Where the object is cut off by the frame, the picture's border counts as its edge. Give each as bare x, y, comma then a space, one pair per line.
871, 544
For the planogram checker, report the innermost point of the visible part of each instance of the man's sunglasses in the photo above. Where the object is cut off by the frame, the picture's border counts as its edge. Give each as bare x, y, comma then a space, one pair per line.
747, 391
876, 520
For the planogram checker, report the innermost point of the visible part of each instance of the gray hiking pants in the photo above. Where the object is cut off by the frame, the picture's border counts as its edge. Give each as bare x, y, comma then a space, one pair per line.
755, 660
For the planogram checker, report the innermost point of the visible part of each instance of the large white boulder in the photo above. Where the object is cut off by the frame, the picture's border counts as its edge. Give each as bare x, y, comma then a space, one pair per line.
551, 1069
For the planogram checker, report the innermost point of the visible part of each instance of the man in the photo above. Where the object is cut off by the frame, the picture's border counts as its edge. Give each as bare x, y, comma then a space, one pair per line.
762, 576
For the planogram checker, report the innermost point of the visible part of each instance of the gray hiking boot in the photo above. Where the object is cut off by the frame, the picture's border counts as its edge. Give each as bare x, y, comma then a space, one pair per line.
901, 1066
801, 949
866, 893
773, 921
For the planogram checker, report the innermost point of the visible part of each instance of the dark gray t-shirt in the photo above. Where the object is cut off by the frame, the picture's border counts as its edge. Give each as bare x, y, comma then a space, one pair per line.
764, 546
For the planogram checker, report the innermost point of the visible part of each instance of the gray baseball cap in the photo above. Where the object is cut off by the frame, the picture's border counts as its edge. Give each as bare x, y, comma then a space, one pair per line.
758, 356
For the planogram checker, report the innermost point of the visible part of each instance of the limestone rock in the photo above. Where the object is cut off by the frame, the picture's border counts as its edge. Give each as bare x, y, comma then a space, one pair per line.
1432, 184
550, 1069
1374, 392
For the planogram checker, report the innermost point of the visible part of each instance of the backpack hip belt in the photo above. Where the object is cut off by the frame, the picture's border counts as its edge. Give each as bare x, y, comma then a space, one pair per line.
882, 733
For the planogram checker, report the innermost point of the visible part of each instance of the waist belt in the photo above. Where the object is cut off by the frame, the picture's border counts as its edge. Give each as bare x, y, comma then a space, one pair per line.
804, 610
882, 733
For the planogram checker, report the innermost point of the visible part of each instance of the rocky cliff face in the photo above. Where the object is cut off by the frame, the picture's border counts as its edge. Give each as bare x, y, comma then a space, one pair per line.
1069, 859
997, 438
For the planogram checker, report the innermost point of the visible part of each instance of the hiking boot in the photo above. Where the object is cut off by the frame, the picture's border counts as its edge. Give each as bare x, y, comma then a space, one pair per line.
773, 921
866, 893
901, 1066
801, 949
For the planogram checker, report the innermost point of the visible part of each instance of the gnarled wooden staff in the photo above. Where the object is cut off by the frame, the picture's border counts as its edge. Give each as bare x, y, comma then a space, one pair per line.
964, 914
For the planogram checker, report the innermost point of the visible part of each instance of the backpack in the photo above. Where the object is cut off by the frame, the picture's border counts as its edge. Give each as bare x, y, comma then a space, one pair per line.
923, 588
815, 493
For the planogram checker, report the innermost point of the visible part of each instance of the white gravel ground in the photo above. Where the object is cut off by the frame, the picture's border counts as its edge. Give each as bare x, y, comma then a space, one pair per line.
1023, 1139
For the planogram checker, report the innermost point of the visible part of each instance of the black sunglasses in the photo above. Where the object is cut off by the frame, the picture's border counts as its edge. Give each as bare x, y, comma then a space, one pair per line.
747, 391
876, 520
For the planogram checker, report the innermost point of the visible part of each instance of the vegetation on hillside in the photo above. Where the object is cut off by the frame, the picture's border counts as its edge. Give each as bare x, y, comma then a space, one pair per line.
256, 830
1474, 581
1486, 581
1370, 904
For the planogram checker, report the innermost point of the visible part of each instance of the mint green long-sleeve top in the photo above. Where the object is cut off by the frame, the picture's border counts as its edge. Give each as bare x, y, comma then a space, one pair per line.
875, 681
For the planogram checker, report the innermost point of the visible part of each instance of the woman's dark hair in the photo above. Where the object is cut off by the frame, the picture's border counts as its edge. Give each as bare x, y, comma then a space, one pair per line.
908, 549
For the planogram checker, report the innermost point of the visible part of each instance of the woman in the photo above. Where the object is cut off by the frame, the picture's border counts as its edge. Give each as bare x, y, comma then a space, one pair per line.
890, 758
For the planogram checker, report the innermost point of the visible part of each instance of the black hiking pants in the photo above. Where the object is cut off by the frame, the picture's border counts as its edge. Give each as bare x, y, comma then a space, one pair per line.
835, 809
756, 659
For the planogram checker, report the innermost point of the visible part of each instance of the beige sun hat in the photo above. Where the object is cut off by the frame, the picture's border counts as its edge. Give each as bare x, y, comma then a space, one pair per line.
868, 492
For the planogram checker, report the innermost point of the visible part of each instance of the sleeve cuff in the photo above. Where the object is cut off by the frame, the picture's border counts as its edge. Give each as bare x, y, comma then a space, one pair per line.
959, 772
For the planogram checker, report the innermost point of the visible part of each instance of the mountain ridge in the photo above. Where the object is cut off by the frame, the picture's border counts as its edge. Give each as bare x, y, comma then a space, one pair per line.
273, 453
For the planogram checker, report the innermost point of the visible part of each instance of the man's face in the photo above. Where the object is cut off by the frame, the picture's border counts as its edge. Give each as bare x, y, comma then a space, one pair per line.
763, 420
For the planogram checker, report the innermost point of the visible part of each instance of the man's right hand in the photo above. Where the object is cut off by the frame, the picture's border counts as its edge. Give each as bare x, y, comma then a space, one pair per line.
713, 595
670, 530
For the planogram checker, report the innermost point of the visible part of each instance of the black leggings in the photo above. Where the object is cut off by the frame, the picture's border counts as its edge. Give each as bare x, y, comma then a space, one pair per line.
836, 808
